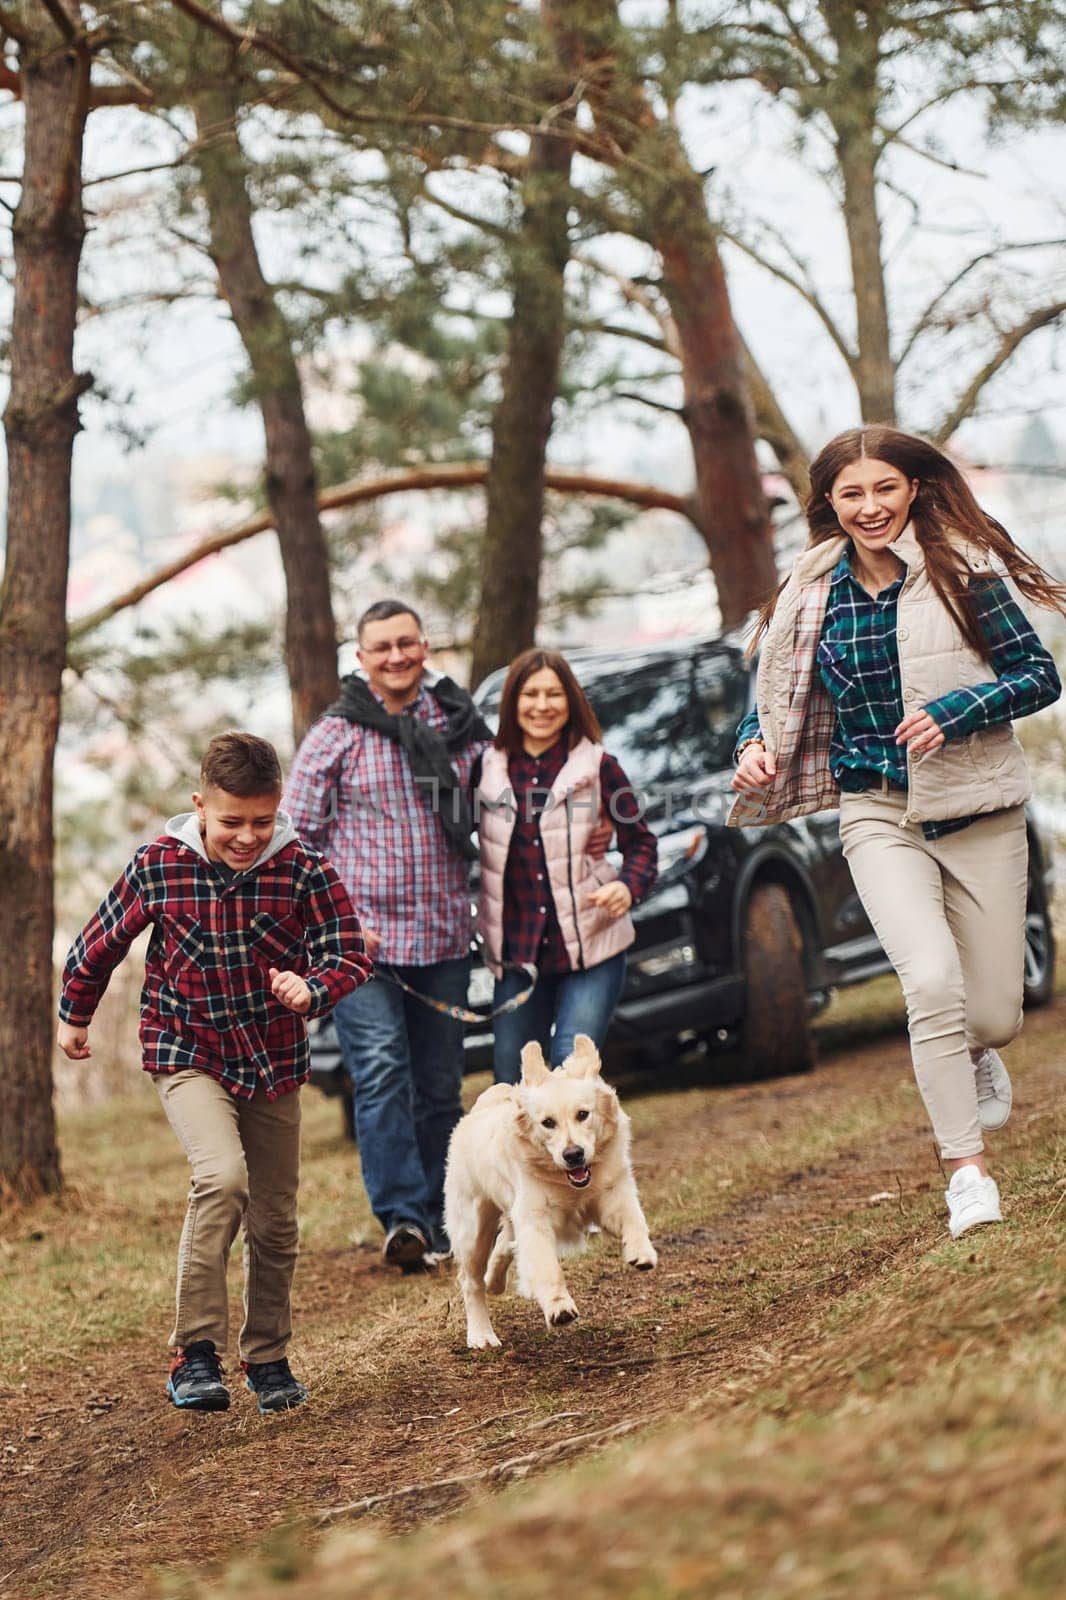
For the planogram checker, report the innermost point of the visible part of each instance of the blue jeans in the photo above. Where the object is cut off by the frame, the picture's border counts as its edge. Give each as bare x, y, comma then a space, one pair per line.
405, 1061
568, 1002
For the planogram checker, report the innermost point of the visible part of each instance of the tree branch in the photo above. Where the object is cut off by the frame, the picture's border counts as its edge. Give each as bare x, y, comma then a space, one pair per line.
807, 293
925, 320
59, 17
1008, 344
12, 28
456, 475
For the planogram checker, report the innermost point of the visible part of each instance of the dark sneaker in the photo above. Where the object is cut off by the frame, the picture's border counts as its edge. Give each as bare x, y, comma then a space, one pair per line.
273, 1385
404, 1244
195, 1381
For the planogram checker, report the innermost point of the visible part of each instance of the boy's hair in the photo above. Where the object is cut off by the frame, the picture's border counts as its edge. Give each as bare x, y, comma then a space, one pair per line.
382, 610
242, 765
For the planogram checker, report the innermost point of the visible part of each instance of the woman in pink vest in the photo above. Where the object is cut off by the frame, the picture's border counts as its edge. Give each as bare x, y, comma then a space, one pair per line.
545, 901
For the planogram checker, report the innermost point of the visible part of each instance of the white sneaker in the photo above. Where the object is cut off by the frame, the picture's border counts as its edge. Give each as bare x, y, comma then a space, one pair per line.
972, 1200
994, 1093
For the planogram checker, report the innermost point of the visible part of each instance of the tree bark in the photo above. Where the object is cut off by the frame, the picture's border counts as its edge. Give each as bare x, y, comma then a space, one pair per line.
853, 113
310, 632
511, 560
40, 421
732, 513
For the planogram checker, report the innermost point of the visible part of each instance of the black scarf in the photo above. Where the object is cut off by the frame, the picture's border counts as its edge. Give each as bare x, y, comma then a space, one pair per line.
427, 749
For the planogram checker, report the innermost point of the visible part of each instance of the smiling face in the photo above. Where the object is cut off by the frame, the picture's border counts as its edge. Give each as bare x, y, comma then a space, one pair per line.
872, 501
235, 830
393, 654
543, 710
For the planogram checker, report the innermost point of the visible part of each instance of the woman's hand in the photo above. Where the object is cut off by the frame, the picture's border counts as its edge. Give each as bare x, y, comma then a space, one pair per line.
919, 733
614, 898
291, 990
756, 769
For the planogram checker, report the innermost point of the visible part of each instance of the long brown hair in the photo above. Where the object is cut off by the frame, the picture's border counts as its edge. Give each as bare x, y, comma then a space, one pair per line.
944, 504
583, 723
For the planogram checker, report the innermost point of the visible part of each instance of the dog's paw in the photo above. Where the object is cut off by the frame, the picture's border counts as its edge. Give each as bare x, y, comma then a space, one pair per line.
482, 1339
559, 1312
643, 1259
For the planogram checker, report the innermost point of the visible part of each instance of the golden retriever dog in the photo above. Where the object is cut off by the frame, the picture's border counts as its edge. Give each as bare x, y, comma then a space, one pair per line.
530, 1168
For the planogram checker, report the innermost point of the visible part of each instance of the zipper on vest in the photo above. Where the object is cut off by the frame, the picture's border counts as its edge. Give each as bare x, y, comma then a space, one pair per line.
570, 885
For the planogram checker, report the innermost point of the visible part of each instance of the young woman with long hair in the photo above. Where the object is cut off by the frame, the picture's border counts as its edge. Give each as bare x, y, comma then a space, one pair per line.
547, 900
893, 661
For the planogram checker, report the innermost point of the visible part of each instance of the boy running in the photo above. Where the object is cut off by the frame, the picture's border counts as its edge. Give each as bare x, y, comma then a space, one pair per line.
252, 932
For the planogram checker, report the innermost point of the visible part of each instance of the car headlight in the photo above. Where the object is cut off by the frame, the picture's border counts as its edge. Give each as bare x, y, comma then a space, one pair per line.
682, 849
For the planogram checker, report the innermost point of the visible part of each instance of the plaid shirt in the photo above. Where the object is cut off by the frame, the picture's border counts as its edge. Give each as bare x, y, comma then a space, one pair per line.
206, 1001
531, 927
352, 795
858, 661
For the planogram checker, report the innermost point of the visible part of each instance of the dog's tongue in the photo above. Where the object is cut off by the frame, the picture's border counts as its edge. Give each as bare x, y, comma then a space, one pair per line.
578, 1174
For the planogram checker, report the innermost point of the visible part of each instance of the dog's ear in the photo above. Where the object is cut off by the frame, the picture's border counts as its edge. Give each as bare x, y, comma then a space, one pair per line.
534, 1066
584, 1060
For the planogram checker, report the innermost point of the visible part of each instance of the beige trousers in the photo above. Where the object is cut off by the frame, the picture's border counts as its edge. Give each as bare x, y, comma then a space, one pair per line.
950, 915
245, 1159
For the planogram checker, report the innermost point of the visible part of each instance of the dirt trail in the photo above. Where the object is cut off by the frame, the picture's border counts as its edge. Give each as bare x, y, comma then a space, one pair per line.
102, 1483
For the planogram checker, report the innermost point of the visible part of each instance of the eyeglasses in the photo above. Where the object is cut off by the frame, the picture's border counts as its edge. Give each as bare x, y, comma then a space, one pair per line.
406, 646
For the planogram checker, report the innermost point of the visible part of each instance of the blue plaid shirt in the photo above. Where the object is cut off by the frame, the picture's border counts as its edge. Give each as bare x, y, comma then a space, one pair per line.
858, 659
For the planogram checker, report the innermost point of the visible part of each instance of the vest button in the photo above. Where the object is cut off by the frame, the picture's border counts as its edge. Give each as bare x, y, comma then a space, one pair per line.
902, 633
910, 694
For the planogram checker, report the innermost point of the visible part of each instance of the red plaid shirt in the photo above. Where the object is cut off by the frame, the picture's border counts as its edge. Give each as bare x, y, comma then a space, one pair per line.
206, 1001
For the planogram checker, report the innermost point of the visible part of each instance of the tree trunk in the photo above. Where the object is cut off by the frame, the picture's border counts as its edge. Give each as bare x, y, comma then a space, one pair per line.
40, 422
732, 512
511, 561
731, 509
875, 372
853, 113
310, 633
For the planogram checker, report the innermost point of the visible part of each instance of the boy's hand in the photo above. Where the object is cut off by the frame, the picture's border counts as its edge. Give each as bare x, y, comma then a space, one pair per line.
615, 898
372, 941
73, 1041
291, 990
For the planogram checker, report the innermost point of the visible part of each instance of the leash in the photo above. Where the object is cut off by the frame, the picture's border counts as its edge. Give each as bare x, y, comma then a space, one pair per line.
461, 1013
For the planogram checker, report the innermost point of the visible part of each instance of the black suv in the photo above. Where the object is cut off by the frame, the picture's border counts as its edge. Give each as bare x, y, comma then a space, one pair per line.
747, 930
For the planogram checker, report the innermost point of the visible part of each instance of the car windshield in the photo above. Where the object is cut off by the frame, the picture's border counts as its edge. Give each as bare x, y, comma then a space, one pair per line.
667, 720
672, 720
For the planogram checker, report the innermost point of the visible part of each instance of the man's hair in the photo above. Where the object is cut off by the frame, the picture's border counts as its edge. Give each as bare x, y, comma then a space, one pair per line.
242, 765
382, 610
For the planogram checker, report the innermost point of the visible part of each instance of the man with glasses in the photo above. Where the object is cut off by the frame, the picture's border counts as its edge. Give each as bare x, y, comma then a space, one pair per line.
380, 785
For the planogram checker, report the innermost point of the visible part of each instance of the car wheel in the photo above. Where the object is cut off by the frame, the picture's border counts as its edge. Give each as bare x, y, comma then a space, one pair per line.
1039, 948
776, 1033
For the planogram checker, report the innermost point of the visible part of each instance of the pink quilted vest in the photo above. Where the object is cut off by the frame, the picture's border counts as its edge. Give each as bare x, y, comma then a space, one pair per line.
590, 935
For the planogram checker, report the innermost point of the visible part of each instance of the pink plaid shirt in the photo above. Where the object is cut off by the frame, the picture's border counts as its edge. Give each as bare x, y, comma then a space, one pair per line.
351, 794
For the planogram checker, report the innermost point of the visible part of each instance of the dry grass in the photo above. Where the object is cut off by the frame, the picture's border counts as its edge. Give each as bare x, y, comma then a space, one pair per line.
866, 1408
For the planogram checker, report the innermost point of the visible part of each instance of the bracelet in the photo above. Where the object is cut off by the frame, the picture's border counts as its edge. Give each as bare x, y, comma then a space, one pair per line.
741, 749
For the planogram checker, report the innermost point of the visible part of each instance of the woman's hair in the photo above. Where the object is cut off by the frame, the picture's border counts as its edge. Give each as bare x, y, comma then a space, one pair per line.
943, 505
583, 723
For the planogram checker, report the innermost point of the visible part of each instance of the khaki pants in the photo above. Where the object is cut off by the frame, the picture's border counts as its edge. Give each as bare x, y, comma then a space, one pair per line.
245, 1159
950, 915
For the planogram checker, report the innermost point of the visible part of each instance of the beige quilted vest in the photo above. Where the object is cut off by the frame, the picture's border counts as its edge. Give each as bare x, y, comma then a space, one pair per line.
965, 777
590, 935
